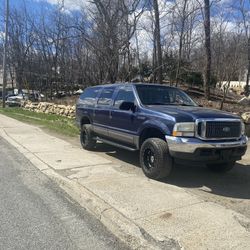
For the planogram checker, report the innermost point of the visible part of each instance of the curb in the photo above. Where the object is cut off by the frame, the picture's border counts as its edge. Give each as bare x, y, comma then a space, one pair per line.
119, 225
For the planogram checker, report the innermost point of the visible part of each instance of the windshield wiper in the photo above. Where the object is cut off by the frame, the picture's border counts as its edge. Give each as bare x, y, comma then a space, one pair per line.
172, 104
184, 104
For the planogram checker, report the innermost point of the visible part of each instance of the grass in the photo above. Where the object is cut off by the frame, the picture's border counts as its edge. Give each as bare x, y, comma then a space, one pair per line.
54, 123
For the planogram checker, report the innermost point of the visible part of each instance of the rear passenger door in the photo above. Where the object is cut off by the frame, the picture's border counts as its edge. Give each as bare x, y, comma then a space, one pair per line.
102, 111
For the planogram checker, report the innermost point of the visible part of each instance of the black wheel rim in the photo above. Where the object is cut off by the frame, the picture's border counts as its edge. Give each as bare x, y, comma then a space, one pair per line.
149, 159
83, 137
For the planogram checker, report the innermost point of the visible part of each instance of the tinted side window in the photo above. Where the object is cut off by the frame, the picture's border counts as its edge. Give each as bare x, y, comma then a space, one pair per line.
125, 94
106, 96
89, 95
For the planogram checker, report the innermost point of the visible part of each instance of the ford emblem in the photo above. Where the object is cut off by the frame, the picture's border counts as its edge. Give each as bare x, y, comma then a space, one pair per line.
226, 129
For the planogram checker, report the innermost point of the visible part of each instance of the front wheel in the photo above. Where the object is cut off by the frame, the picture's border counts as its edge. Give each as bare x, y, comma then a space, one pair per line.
155, 159
86, 137
221, 167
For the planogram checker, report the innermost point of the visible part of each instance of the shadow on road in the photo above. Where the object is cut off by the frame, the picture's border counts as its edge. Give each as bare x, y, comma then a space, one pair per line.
234, 184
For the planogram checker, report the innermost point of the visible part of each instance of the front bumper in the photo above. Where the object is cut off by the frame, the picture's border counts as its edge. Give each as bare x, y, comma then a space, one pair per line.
197, 150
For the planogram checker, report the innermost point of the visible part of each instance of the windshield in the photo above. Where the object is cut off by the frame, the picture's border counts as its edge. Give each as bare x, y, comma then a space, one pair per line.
163, 95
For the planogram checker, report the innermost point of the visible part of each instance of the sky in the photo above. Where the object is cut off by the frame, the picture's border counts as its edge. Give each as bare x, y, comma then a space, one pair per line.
77, 4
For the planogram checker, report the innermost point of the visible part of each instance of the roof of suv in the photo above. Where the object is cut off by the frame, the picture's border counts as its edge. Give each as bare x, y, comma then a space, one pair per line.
131, 83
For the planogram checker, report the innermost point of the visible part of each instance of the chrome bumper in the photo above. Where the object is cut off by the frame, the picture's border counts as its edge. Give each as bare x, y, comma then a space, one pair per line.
189, 145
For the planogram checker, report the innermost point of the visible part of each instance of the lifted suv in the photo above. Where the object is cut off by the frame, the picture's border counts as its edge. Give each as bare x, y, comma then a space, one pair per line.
163, 123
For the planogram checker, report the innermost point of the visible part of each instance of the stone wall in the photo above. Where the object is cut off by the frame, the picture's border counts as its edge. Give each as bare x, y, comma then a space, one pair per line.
246, 118
50, 108
69, 111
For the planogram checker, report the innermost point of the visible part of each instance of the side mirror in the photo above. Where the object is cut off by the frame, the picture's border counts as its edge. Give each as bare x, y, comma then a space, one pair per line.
127, 106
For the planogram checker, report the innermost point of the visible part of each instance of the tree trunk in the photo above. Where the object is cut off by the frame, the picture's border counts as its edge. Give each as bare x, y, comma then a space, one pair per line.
154, 77
225, 91
179, 62
248, 70
158, 41
181, 43
207, 73
138, 57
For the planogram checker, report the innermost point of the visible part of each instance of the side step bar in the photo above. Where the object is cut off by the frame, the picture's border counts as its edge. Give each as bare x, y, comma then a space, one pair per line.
115, 144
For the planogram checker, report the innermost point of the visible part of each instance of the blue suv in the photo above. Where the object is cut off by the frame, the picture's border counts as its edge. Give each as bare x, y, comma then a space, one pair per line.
163, 123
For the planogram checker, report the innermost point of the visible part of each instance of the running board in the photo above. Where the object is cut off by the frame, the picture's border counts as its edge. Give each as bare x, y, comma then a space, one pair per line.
115, 144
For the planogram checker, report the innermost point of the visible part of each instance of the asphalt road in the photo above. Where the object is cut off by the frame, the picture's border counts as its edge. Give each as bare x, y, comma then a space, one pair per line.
36, 214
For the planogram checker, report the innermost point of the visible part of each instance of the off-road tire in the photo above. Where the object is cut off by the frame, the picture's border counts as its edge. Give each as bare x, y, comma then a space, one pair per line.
162, 162
221, 167
86, 137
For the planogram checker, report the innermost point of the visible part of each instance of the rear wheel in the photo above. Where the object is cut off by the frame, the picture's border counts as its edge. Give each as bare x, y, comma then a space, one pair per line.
221, 167
86, 137
155, 159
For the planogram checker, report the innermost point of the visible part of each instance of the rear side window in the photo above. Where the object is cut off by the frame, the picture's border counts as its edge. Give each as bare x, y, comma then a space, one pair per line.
106, 96
89, 95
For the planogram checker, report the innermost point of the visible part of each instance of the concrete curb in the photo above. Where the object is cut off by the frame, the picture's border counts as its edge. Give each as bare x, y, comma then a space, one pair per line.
123, 228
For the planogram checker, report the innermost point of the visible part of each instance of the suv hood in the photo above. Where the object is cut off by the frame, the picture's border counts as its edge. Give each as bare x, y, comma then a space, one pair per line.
189, 114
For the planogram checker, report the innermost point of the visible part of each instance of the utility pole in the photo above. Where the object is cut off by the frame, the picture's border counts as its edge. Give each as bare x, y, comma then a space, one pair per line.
5, 51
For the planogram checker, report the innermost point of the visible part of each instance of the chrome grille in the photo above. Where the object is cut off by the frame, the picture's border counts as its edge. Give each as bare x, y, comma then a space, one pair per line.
218, 129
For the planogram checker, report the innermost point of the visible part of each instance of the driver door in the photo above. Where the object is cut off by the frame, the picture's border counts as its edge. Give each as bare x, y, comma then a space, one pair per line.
123, 123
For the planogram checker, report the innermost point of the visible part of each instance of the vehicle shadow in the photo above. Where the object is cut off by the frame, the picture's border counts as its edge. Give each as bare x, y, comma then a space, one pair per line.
120, 154
234, 184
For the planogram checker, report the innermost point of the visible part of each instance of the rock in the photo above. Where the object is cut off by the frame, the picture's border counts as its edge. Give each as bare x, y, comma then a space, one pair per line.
247, 129
50, 108
61, 112
246, 117
244, 101
210, 103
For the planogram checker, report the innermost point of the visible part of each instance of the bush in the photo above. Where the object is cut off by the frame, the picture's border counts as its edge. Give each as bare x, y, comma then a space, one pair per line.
193, 78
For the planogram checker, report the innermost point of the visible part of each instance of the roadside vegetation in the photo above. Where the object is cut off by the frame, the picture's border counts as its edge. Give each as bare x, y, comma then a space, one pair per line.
54, 123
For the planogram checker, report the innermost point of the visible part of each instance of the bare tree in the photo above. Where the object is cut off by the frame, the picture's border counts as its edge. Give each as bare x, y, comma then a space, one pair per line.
230, 60
207, 73
157, 39
21, 39
183, 17
54, 51
244, 10
114, 25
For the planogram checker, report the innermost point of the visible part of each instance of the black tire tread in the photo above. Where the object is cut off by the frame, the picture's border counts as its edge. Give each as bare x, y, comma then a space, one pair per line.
165, 161
90, 143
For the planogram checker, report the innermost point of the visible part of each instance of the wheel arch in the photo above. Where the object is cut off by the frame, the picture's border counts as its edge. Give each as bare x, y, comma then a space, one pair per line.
151, 132
85, 120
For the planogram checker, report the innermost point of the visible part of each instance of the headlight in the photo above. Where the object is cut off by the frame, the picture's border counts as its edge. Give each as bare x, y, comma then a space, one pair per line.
185, 129
242, 128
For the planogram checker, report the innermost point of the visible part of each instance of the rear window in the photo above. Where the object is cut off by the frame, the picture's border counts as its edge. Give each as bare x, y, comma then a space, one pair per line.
106, 96
89, 95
